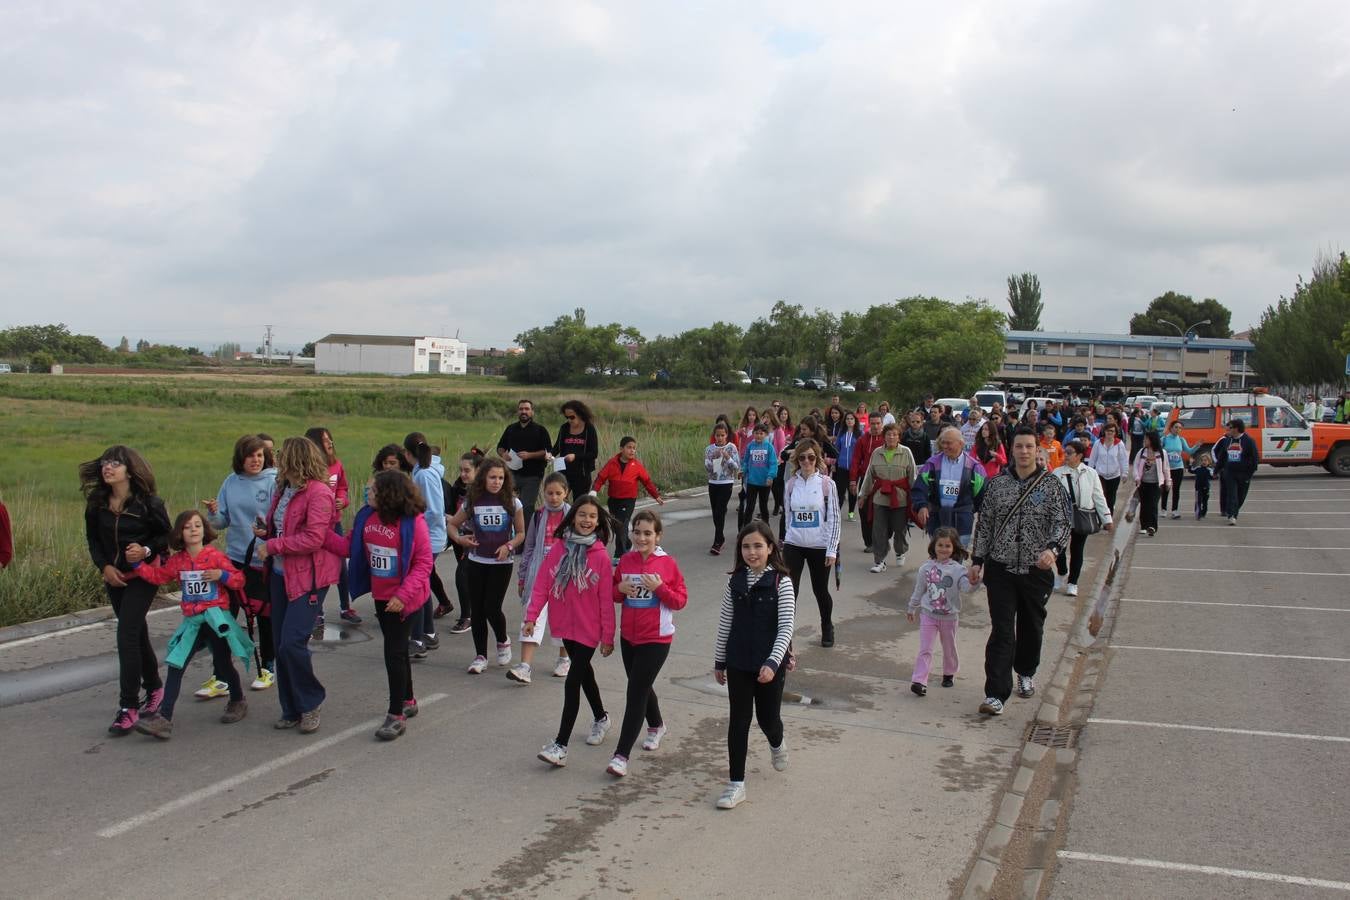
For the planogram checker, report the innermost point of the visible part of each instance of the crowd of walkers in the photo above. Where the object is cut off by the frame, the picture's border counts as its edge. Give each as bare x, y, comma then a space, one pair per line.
1005, 501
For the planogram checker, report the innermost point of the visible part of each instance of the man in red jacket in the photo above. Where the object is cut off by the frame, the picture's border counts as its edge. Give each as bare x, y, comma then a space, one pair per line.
862, 455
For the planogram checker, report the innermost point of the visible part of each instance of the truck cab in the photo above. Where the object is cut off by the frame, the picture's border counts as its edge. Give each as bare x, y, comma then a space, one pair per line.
1283, 437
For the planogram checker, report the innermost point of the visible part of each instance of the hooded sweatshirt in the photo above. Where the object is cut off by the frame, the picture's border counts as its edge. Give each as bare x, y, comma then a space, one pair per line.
648, 618
938, 587
429, 482
583, 615
241, 499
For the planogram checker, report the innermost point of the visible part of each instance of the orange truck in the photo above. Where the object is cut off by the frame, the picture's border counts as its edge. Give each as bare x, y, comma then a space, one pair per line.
1283, 437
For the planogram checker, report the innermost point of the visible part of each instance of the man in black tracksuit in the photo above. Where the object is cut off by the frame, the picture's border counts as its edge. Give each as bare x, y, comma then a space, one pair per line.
1235, 460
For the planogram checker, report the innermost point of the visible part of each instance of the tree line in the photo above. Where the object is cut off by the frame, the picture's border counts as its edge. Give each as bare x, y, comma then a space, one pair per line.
1304, 339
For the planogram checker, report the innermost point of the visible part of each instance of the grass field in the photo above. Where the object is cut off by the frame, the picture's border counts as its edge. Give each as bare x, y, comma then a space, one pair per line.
186, 426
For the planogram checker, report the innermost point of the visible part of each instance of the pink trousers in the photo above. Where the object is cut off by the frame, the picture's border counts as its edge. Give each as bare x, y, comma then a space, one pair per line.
929, 629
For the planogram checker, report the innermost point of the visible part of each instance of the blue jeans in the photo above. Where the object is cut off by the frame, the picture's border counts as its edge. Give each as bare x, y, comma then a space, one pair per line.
298, 688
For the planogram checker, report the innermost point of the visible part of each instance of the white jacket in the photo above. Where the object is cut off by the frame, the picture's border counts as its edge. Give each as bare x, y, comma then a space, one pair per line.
1084, 488
1110, 462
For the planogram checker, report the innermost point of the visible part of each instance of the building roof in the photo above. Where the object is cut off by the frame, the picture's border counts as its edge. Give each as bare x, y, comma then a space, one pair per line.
1160, 340
379, 340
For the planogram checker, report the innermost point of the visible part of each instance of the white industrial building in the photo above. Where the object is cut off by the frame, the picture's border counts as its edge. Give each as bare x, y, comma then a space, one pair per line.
346, 354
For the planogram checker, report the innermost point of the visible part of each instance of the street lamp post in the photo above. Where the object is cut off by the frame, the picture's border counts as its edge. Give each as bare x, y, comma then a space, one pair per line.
1185, 341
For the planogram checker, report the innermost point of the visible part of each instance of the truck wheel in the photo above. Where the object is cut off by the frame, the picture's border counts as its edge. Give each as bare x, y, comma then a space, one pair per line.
1338, 461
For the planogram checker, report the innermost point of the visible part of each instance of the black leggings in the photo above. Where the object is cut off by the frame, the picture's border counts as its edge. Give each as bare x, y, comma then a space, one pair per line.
622, 511
396, 630
580, 677
487, 584
763, 702
1148, 504
1070, 561
1178, 475
136, 663
438, 590
255, 586
841, 483
759, 493
643, 663
813, 558
719, 495
1109, 487
221, 663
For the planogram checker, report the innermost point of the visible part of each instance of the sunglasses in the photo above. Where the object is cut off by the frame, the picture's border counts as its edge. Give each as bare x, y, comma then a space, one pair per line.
808, 457
570, 418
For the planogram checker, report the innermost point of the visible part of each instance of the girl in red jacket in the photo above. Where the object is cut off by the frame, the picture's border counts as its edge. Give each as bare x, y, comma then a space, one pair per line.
623, 472
201, 570
337, 483
649, 585
575, 582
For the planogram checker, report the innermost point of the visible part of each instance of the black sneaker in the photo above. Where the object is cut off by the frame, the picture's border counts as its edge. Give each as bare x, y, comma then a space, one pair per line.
461, 626
920, 690
827, 640
432, 641
948, 681
417, 650
393, 727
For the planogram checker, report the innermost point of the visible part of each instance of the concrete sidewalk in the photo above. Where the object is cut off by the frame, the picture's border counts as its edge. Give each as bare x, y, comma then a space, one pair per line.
887, 795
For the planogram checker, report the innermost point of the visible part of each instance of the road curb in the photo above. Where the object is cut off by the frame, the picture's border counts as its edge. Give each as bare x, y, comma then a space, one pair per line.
1042, 786
54, 623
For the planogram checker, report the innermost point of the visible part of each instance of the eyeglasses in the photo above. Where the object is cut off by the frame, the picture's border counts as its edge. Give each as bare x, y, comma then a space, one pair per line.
114, 463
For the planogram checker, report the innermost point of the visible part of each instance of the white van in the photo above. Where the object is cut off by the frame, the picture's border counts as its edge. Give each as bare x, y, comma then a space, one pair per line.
5, 369
987, 399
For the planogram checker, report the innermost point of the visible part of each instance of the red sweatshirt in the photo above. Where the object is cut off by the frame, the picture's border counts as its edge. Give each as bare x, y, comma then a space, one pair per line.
198, 594
623, 482
649, 617
6, 538
862, 455
337, 482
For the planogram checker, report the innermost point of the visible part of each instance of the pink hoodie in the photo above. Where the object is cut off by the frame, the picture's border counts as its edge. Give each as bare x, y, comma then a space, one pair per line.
585, 616
309, 518
650, 619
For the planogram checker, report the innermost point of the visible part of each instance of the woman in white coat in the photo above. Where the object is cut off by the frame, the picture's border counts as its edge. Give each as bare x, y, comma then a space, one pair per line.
1084, 488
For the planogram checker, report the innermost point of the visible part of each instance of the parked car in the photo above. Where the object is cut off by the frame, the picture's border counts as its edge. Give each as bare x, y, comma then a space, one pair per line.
798, 383
987, 397
816, 384
5, 369
1282, 436
844, 387
743, 378
761, 380
958, 405
1144, 401
1163, 408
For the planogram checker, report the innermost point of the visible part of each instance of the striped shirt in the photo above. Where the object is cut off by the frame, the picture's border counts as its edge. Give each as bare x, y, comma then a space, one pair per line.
787, 605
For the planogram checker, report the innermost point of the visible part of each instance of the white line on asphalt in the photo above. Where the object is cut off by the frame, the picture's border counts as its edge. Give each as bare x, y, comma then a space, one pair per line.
234, 781
1271, 512
1205, 870
1235, 571
64, 631
1277, 527
1157, 546
1251, 499
1231, 653
1252, 605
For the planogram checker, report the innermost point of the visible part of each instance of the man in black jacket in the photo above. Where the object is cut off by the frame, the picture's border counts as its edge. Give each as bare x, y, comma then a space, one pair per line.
1235, 459
530, 441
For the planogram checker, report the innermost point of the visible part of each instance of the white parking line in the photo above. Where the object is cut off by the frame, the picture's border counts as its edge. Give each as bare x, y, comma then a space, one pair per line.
235, 781
1154, 545
65, 631
1251, 499
1235, 571
1248, 874
1232, 653
1252, 605
1275, 527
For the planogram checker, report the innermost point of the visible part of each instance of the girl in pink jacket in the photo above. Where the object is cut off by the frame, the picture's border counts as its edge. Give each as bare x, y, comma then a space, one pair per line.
649, 585
575, 582
301, 570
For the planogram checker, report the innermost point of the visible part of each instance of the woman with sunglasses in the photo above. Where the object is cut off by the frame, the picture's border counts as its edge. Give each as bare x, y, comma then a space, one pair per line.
577, 446
125, 523
811, 536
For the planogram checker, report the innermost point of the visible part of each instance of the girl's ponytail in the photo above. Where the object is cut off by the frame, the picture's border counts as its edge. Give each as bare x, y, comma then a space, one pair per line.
416, 445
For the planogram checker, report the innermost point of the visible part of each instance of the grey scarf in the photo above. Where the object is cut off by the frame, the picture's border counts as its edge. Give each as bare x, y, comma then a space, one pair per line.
573, 567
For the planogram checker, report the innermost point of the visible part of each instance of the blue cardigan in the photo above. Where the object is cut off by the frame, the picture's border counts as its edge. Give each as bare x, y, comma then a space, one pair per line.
358, 566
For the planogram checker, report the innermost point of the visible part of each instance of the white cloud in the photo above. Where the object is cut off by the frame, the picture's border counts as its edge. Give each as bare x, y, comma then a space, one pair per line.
489, 166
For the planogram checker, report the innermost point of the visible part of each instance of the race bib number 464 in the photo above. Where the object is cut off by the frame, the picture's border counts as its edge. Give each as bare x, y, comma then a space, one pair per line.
806, 516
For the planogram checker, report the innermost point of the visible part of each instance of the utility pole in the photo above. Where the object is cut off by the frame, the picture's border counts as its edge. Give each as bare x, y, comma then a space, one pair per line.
267, 347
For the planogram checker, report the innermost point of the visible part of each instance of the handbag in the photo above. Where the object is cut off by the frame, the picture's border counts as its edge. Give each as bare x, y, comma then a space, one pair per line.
1085, 521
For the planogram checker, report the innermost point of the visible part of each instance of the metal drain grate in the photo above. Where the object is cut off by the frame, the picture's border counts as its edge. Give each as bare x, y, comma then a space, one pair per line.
1060, 737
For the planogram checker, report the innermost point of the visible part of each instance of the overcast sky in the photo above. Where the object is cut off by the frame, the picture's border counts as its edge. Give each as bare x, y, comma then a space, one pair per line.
189, 172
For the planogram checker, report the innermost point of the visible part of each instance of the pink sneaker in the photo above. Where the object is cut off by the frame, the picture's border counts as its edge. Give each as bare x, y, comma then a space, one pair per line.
152, 703
125, 723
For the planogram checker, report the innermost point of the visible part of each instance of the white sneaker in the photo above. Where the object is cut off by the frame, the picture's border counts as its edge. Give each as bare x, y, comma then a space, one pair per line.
554, 753
878, 568
618, 766
599, 728
1026, 686
733, 796
520, 673
478, 666
264, 681
504, 654
1071, 589
1176, 515
562, 667
653, 739
780, 756
992, 706
211, 689
900, 560
1059, 582
1232, 520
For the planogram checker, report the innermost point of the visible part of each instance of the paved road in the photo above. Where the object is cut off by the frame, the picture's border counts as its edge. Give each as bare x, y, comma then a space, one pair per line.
887, 795
1219, 738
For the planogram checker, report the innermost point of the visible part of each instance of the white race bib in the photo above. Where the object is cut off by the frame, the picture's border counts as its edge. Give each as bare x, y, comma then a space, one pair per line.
643, 598
806, 516
1234, 453
197, 589
383, 560
950, 489
491, 518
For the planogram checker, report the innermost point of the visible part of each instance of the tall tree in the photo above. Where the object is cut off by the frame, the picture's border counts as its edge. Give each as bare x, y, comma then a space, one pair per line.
934, 345
1024, 296
124, 346
774, 346
1182, 312
570, 348
1298, 340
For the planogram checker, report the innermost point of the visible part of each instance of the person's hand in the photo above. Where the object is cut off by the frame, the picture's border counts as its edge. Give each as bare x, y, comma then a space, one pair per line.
909, 617
259, 531
260, 550
853, 487
211, 506
628, 589
112, 577
660, 501
211, 575
136, 553
520, 588
1094, 623
395, 605
829, 562
922, 517
720, 676
651, 581
571, 457
467, 540
527, 628
766, 674
1046, 559
976, 575
1109, 526
606, 649
503, 553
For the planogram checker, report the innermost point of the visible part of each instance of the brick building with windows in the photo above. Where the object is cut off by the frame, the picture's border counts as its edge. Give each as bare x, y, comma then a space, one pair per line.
1064, 358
